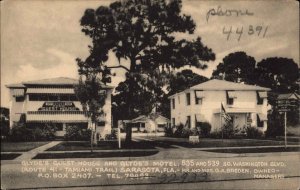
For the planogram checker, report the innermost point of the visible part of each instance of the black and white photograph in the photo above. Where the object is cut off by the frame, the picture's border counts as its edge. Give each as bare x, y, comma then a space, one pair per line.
150, 94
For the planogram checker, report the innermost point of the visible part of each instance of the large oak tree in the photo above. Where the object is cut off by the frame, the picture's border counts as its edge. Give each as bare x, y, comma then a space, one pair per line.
143, 33
236, 67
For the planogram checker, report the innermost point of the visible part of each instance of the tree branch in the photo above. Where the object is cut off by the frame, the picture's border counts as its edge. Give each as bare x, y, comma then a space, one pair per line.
119, 66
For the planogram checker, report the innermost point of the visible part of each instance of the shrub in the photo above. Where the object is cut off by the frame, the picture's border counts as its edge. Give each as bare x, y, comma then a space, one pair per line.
216, 134
4, 128
20, 132
205, 128
185, 132
85, 134
168, 131
178, 131
275, 124
112, 135
49, 131
253, 133
76, 133
194, 132
229, 131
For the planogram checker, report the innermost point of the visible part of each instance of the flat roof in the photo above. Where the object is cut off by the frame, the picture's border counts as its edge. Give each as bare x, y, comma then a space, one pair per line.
59, 81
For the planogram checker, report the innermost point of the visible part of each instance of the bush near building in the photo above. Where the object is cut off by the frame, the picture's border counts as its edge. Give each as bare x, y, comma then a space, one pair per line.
205, 128
21, 132
253, 133
76, 133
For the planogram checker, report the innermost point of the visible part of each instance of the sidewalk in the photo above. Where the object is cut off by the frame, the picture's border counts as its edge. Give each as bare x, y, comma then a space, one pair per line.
32, 153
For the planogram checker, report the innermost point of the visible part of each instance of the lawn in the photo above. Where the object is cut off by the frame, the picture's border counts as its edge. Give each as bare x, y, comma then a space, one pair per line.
208, 142
94, 154
20, 146
166, 143
256, 150
9, 156
102, 145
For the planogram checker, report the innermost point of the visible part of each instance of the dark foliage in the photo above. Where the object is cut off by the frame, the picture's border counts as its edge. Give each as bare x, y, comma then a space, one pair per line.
236, 67
204, 128
254, 133
183, 80
76, 133
275, 124
140, 32
21, 132
279, 74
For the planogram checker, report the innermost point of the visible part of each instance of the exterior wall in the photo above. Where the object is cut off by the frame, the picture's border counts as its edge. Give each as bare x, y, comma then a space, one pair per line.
104, 130
211, 105
17, 108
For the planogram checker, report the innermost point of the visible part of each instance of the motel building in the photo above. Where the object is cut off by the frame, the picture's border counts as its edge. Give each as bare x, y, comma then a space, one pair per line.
54, 101
247, 105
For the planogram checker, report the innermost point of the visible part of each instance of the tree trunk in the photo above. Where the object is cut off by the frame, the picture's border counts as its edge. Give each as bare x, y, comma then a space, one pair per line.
130, 99
128, 134
92, 135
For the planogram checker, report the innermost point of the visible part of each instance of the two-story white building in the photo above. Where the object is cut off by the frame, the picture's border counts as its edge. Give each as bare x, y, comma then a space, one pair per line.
54, 101
246, 104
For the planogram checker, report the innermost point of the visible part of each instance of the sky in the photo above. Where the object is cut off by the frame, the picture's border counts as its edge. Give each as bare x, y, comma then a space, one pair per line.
41, 39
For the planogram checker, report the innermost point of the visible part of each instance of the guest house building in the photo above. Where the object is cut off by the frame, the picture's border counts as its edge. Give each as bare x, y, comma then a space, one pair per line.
53, 101
247, 105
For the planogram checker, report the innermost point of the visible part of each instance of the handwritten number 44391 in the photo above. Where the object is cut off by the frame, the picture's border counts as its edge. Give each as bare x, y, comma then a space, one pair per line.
259, 31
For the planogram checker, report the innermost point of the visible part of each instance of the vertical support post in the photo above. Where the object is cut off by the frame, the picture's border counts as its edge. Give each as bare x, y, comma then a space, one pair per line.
119, 137
285, 140
221, 120
92, 138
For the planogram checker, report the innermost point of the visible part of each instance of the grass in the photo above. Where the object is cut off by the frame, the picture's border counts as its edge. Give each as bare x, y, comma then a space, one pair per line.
256, 150
205, 142
102, 145
166, 143
9, 156
20, 146
94, 154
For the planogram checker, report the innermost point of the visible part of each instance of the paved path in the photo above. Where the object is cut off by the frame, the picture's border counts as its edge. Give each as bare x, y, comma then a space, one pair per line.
32, 153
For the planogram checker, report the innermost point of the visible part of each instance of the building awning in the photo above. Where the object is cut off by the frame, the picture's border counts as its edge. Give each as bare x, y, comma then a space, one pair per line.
200, 118
263, 94
231, 94
262, 117
199, 94
18, 92
50, 91
59, 118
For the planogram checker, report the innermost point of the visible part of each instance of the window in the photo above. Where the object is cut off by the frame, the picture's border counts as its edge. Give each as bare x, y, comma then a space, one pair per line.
198, 101
173, 121
53, 97
188, 99
73, 98
20, 99
34, 97
43, 97
230, 95
59, 127
173, 103
230, 101
260, 97
199, 95
64, 98
188, 121
101, 123
259, 122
